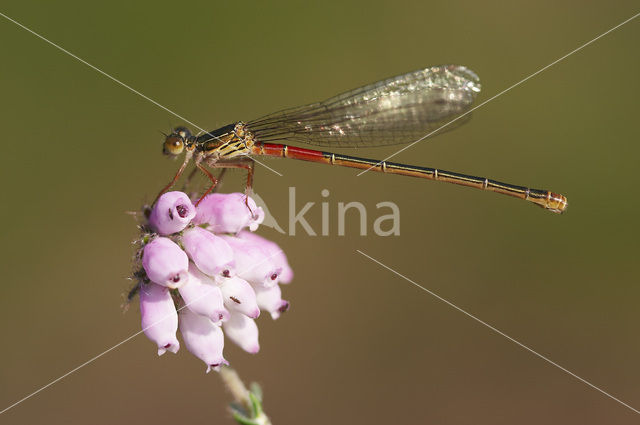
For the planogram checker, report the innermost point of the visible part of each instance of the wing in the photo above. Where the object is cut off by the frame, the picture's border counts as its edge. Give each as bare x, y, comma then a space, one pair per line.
397, 110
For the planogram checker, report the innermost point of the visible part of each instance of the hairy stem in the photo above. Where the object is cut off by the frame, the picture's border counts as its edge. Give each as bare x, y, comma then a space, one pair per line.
235, 386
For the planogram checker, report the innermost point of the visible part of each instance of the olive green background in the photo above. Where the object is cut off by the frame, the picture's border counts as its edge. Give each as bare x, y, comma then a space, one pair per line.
360, 345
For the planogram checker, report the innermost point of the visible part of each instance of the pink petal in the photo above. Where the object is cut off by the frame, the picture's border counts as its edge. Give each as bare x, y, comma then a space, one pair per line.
159, 317
172, 213
228, 213
278, 255
202, 296
211, 253
243, 331
253, 262
239, 297
270, 299
203, 338
165, 263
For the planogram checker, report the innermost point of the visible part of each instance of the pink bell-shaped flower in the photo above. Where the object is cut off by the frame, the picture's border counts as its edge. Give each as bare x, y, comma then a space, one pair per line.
203, 338
270, 299
239, 297
165, 263
277, 254
243, 331
253, 262
159, 317
202, 296
211, 253
228, 213
171, 213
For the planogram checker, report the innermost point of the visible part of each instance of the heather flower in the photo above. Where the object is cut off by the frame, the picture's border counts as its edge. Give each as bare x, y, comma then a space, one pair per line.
240, 297
204, 281
172, 213
277, 254
202, 296
254, 263
228, 212
203, 338
243, 331
270, 299
211, 253
165, 263
159, 317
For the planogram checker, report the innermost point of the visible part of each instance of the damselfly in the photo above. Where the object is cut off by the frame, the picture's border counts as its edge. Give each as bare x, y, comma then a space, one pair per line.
397, 110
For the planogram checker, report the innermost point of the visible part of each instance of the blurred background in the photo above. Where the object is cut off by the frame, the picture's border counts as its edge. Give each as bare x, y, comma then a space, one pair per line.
360, 345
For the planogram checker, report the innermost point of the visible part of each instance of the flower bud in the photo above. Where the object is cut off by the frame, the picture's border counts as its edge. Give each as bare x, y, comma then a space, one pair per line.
165, 263
228, 212
172, 213
254, 263
278, 255
202, 338
243, 331
239, 297
270, 299
159, 317
202, 296
211, 253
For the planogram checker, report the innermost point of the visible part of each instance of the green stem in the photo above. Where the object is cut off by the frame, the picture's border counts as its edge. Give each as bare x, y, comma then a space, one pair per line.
250, 402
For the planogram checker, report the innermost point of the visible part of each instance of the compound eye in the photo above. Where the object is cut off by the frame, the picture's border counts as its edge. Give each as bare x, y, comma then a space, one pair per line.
173, 145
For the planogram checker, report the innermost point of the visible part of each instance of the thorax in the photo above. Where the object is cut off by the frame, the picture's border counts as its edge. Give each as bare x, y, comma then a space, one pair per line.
227, 142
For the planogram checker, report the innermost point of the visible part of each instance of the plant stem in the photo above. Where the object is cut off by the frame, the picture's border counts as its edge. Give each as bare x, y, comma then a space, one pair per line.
251, 403
235, 386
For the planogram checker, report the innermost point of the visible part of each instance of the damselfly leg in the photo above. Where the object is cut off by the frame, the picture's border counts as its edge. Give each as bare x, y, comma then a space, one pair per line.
244, 163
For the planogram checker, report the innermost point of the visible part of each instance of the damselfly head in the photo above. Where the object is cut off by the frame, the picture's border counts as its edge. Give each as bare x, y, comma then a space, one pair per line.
175, 142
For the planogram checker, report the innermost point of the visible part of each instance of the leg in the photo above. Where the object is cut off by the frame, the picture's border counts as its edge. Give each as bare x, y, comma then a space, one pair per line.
187, 182
185, 187
220, 176
187, 158
214, 181
244, 163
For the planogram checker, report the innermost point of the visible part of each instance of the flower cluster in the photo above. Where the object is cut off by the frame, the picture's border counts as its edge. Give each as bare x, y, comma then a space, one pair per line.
202, 272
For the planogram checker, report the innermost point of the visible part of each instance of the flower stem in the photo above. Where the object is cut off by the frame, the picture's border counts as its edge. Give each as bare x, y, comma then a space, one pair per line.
247, 405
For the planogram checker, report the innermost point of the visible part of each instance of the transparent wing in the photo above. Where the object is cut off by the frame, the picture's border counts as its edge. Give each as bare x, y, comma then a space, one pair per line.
397, 110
